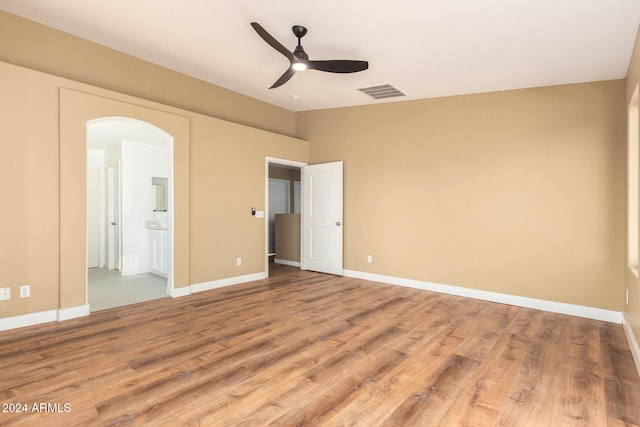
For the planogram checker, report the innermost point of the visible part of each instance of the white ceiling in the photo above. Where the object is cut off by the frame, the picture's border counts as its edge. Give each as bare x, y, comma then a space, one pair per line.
426, 48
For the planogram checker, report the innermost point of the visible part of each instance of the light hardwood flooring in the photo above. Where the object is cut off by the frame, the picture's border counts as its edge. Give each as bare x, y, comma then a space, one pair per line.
304, 348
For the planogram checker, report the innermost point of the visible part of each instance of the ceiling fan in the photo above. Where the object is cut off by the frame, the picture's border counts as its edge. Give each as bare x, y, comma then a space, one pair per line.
300, 60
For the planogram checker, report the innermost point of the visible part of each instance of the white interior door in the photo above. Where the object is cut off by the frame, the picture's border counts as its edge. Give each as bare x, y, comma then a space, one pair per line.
322, 218
93, 218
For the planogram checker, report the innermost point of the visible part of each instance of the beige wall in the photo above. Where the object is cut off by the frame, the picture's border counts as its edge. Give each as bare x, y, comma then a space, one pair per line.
31, 45
29, 218
219, 176
518, 192
632, 284
288, 237
227, 180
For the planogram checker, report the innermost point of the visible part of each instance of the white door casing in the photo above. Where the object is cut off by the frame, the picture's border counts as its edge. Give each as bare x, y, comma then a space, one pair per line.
93, 218
322, 221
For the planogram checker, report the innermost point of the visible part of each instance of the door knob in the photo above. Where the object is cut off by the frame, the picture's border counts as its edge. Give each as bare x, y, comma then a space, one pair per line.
338, 223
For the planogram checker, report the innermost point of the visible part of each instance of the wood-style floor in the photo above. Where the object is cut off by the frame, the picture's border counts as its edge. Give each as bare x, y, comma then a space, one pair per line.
303, 348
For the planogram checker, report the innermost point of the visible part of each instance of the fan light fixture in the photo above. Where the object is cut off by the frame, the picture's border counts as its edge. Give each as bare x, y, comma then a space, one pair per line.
299, 60
299, 66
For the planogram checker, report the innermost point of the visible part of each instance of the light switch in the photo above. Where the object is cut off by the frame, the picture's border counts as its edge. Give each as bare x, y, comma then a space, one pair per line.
259, 214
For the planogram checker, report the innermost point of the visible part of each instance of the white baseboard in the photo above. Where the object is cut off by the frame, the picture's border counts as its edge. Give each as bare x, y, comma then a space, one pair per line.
40, 317
633, 343
30, 319
180, 292
134, 272
73, 312
552, 306
286, 262
215, 284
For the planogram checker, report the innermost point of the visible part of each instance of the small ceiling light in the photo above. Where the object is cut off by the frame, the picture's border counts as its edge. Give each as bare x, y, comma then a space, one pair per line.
295, 98
299, 66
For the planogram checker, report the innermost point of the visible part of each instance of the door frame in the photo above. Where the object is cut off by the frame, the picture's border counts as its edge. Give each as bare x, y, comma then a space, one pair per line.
167, 140
282, 162
94, 203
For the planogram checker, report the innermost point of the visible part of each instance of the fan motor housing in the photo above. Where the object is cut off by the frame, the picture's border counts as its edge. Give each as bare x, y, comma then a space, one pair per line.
300, 53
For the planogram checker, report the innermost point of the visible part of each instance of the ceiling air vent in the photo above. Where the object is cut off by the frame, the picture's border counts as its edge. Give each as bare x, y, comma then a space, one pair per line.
381, 91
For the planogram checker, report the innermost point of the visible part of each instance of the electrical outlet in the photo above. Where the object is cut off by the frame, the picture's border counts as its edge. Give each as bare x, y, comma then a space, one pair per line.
238, 261
369, 259
5, 293
25, 291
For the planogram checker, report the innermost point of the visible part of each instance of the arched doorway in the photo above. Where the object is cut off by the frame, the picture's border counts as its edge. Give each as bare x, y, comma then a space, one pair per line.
78, 108
129, 212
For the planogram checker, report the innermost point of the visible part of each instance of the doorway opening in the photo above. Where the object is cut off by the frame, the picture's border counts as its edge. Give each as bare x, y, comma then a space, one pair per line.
129, 212
283, 202
318, 246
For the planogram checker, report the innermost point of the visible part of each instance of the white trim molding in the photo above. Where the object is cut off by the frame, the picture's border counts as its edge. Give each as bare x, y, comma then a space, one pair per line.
215, 284
286, 262
73, 312
180, 292
32, 319
552, 306
633, 344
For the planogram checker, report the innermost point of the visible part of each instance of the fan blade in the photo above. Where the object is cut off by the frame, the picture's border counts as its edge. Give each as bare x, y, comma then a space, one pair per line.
272, 41
284, 78
338, 66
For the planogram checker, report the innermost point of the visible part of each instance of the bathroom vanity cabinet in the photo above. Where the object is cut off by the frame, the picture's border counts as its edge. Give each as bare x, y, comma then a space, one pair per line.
159, 252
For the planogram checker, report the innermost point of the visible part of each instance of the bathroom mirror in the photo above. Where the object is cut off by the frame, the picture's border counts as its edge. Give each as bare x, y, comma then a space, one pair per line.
159, 194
